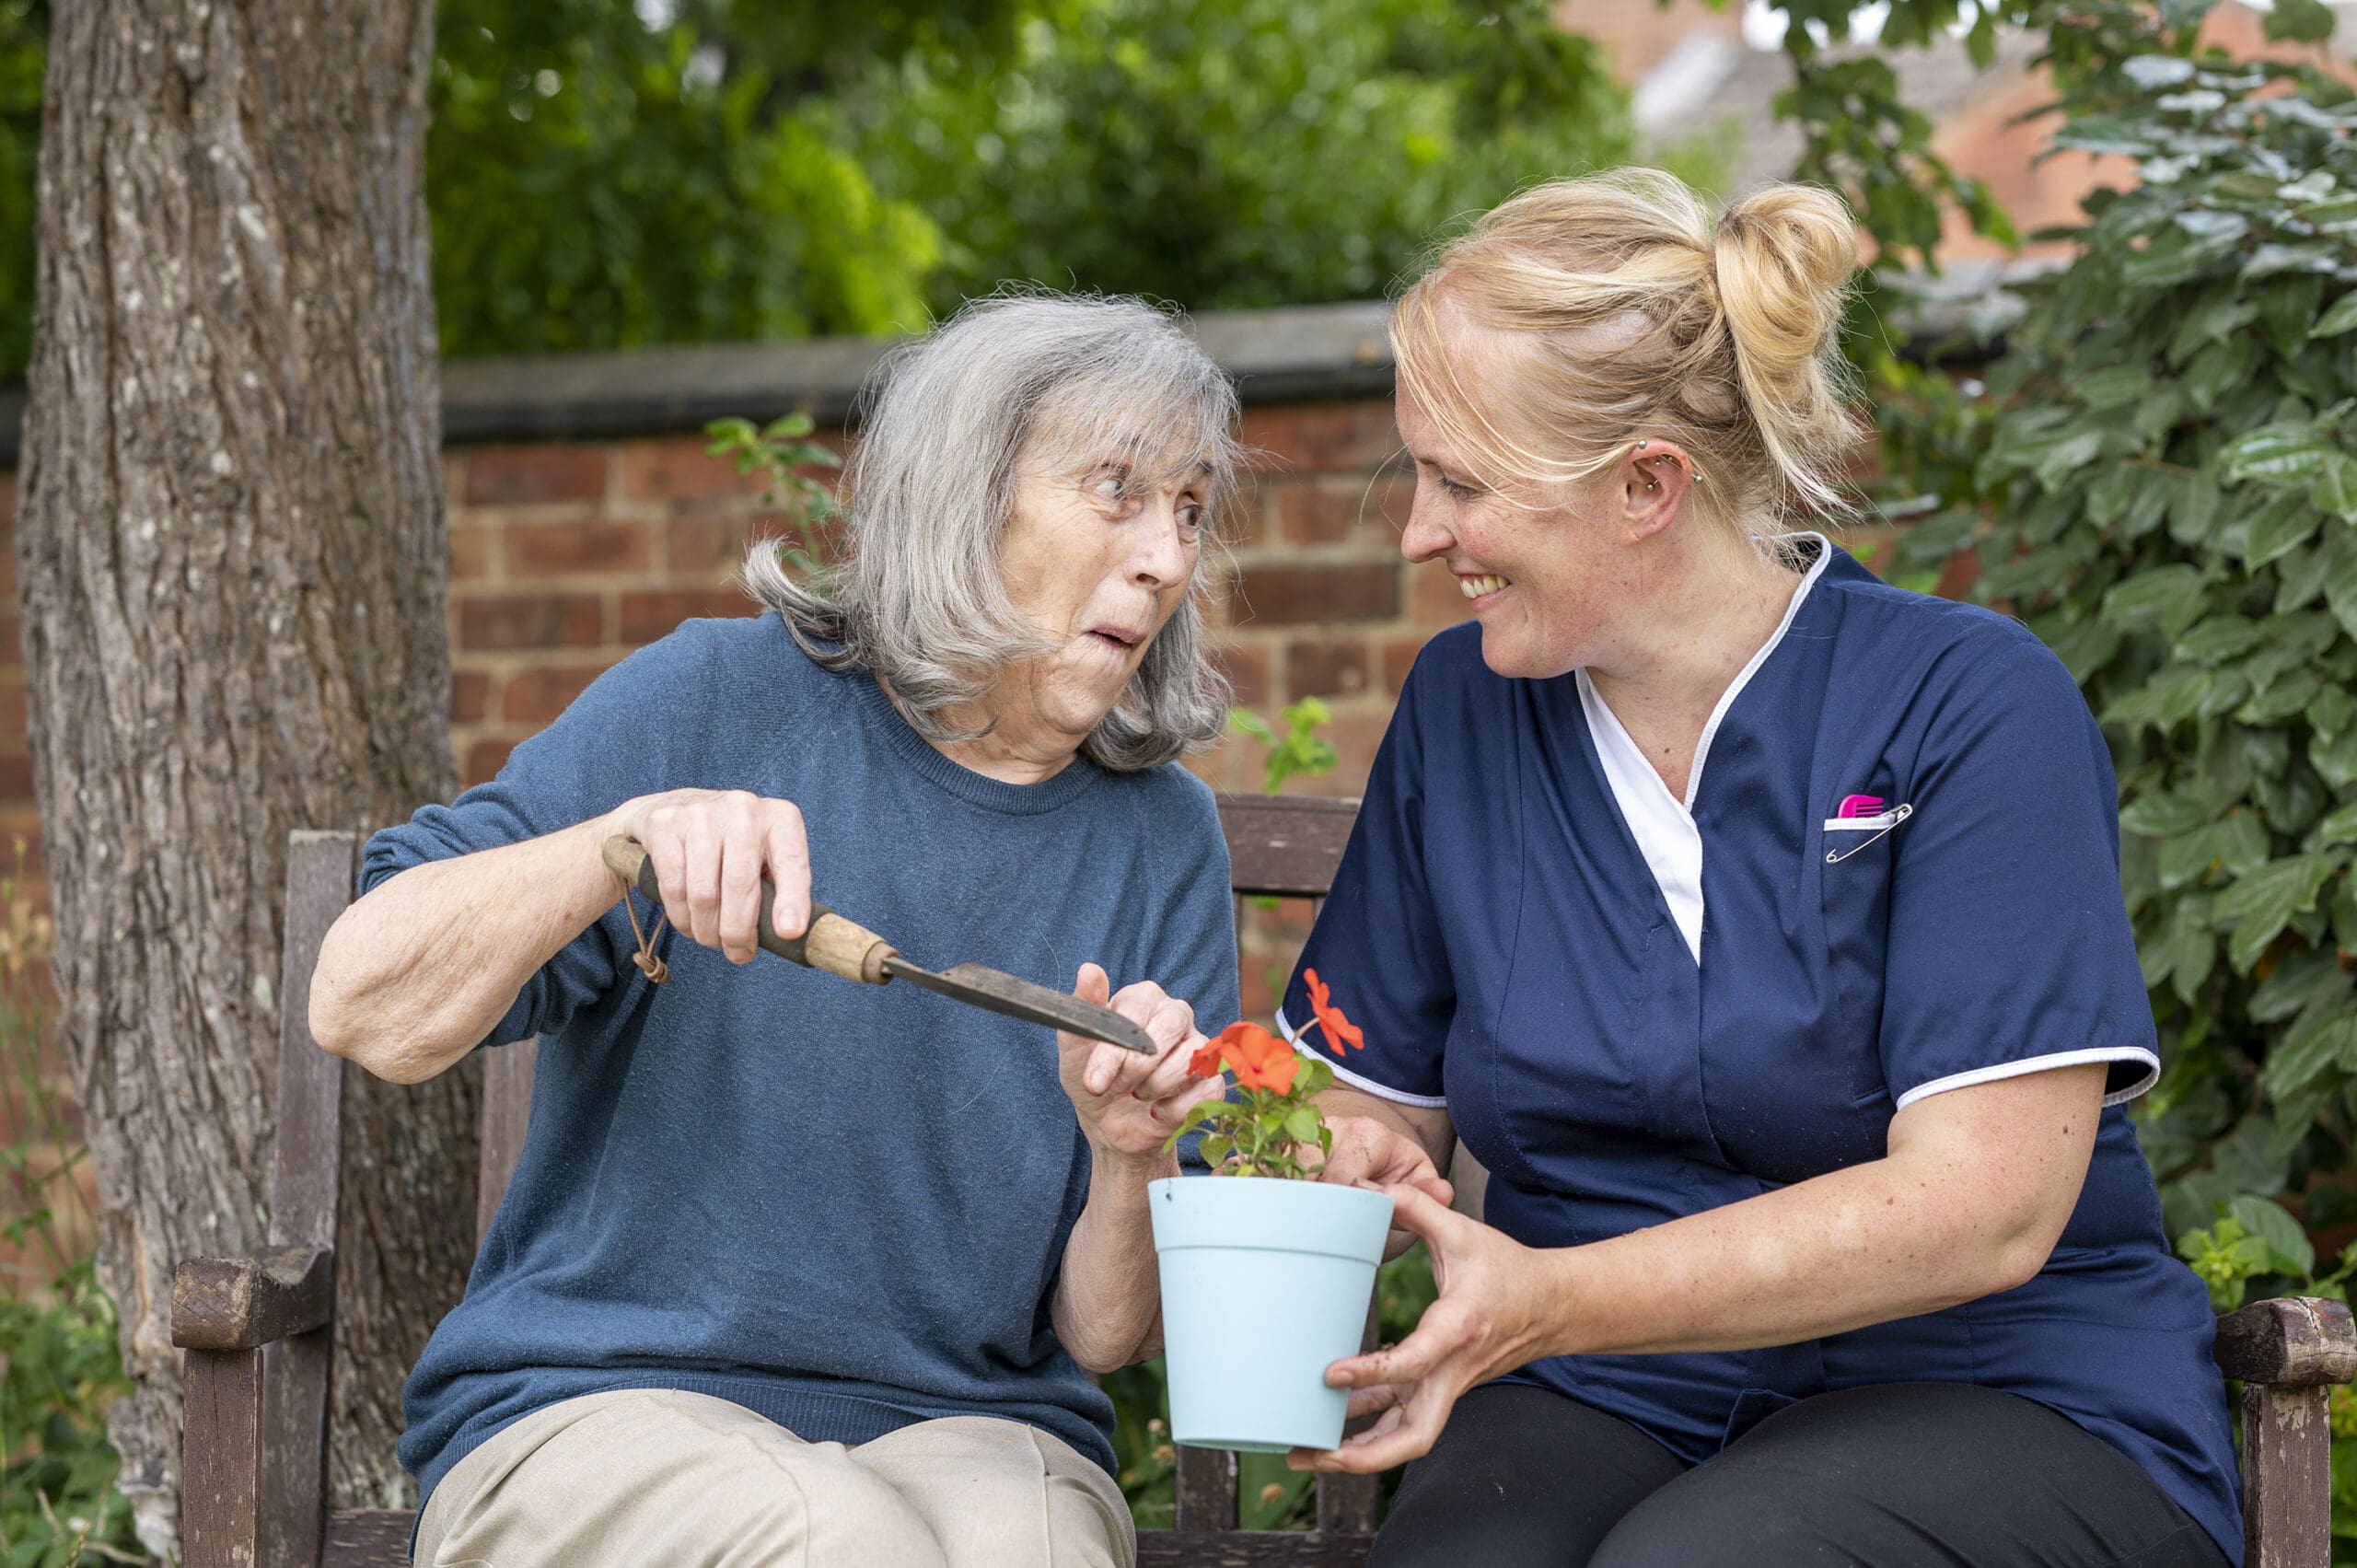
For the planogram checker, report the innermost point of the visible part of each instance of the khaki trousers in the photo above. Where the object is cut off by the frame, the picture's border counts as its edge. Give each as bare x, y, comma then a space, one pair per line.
648, 1478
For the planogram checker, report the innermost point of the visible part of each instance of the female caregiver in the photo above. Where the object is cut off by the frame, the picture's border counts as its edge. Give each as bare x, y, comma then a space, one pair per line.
1758, 925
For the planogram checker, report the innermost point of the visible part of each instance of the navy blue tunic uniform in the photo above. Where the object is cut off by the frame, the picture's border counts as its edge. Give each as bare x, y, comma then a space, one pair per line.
1500, 935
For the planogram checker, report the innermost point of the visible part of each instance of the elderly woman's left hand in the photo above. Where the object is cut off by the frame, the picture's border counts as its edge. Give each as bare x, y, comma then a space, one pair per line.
1129, 1103
1497, 1302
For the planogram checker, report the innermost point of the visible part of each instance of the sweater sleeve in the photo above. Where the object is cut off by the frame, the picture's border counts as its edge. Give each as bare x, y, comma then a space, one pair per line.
618, 740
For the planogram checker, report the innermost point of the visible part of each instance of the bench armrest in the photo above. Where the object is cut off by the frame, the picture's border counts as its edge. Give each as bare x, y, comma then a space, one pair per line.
2293, 1341
242, 1303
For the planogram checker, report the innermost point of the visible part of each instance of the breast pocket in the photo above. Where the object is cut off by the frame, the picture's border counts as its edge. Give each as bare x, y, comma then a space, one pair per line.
1854, 867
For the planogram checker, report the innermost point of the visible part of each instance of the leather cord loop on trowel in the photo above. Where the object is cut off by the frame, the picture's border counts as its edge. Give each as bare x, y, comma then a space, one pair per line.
650, 963
830, 942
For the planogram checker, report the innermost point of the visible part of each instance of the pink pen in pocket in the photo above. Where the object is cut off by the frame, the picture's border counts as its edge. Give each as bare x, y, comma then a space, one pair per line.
1860, 805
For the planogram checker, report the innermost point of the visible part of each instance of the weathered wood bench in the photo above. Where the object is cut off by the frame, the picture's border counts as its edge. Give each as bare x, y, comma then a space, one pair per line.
256, 1329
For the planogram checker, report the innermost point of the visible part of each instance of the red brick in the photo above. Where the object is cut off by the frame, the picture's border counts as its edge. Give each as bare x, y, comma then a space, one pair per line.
1957, 576
470, 553
1398, 654
1240, 516
16, 777
712, 545
537, 696
1294, 596
1248, 672
530, 621
1323, 438
469, 695
11, 643
12, 712
681, 470
484, 759
1318, 514
1317, 668
7, 500
1433, 598
648, 616
585, 546
525, 476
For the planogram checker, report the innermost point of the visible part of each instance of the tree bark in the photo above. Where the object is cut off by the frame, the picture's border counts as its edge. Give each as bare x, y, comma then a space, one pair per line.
233, 566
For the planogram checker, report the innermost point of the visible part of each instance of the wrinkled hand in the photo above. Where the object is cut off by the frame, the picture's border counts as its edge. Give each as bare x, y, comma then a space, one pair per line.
1371, 1152
1492, 1315
712, 849
1129, 1103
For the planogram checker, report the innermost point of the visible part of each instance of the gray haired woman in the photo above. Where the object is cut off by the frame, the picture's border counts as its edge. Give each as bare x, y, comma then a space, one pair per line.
795, 1270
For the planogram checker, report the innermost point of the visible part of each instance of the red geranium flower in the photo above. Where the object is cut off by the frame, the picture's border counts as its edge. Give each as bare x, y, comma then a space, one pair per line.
1341, 1033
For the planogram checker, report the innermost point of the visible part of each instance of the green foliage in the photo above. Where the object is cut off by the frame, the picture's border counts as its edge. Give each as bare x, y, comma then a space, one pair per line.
1300, 754
1231, 153
2163, 484
59, 1367
24, 30
2257, 1239
597, 184
782, 452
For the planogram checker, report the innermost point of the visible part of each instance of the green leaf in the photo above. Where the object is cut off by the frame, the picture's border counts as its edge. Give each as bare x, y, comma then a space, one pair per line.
2341, 318
2264, 902
1303, 1122
2115, 388
2162, 814
2278, 529
2329, 714
2341, 828
2303, 982
2335, 487
2308, 21
2169, 596
2273, 1225
2280, 453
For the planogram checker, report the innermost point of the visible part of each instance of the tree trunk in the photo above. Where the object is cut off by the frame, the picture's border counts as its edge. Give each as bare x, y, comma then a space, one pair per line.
235, 566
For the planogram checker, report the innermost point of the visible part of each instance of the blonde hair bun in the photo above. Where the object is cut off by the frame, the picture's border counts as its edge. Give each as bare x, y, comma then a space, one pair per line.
1628, 314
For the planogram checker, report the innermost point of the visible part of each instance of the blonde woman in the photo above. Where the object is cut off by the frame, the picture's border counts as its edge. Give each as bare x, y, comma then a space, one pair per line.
1758, 925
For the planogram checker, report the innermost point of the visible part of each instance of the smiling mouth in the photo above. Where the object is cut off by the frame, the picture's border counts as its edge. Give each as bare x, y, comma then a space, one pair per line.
1119, 641
1476, 587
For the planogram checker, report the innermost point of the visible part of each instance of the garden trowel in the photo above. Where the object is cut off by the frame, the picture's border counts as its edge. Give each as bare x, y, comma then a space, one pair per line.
844, 947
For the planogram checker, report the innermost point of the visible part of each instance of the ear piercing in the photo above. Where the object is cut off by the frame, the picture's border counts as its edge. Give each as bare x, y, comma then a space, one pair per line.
1651, 483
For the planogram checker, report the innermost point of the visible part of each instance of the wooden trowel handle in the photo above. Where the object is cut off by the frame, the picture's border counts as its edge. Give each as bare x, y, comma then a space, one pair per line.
831, 943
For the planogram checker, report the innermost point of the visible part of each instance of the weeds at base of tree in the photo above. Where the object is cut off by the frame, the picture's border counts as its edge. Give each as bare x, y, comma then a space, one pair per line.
60, 1367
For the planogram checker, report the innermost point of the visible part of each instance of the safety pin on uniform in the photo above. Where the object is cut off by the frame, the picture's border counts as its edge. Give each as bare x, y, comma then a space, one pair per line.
1897, 815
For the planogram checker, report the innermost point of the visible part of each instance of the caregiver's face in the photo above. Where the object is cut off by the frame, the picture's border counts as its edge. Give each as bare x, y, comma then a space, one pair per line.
1535, 578
1101, 562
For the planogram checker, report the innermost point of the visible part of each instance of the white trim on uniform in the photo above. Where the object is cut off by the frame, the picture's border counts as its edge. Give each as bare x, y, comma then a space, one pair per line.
2045, 1064
1662, 824
1381, 1091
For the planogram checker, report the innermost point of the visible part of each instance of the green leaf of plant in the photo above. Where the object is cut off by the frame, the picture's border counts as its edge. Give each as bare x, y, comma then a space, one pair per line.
2273, 1225
2340, 317
2164, 814
2278, 452
2340, 827
1303, 1122
2308, 21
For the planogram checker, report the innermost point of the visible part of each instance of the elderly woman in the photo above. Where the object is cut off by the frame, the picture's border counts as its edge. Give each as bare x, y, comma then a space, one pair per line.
794, 1270
1757, 926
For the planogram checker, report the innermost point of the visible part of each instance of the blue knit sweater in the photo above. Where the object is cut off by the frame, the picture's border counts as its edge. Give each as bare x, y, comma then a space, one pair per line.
841, 1206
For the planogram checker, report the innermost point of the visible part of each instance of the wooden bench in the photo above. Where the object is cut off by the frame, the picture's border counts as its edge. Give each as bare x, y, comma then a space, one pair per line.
256, 1329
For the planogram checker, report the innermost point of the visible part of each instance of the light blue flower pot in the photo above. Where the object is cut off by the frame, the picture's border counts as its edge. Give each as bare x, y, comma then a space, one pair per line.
1264, 1285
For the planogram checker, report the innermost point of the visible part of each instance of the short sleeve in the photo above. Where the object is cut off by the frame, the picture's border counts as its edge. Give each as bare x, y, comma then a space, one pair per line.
2009, 948
1376, 945
612, 744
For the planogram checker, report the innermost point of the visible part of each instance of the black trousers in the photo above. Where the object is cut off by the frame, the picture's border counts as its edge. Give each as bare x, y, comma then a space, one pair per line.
1887, 1477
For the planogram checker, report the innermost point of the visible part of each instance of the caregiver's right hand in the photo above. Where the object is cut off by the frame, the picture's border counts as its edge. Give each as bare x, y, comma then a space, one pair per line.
1367, 1149
711, 849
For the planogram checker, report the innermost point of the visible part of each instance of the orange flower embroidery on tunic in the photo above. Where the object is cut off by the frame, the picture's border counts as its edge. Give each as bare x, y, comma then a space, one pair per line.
1342, 1035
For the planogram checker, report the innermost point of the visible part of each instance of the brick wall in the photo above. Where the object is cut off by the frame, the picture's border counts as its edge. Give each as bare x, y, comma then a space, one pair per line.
568, 556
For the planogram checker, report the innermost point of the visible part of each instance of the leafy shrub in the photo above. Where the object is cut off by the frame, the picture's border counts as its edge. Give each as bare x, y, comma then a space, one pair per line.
2164, 486
59, 1367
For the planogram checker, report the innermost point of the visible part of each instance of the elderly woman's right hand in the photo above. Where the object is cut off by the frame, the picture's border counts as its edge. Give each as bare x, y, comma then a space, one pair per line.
711, 849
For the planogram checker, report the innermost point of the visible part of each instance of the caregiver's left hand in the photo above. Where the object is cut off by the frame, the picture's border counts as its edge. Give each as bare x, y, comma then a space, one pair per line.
1492, 1316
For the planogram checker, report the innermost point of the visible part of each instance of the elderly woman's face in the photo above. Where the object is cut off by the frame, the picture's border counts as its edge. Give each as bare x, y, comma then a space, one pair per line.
1102, 563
